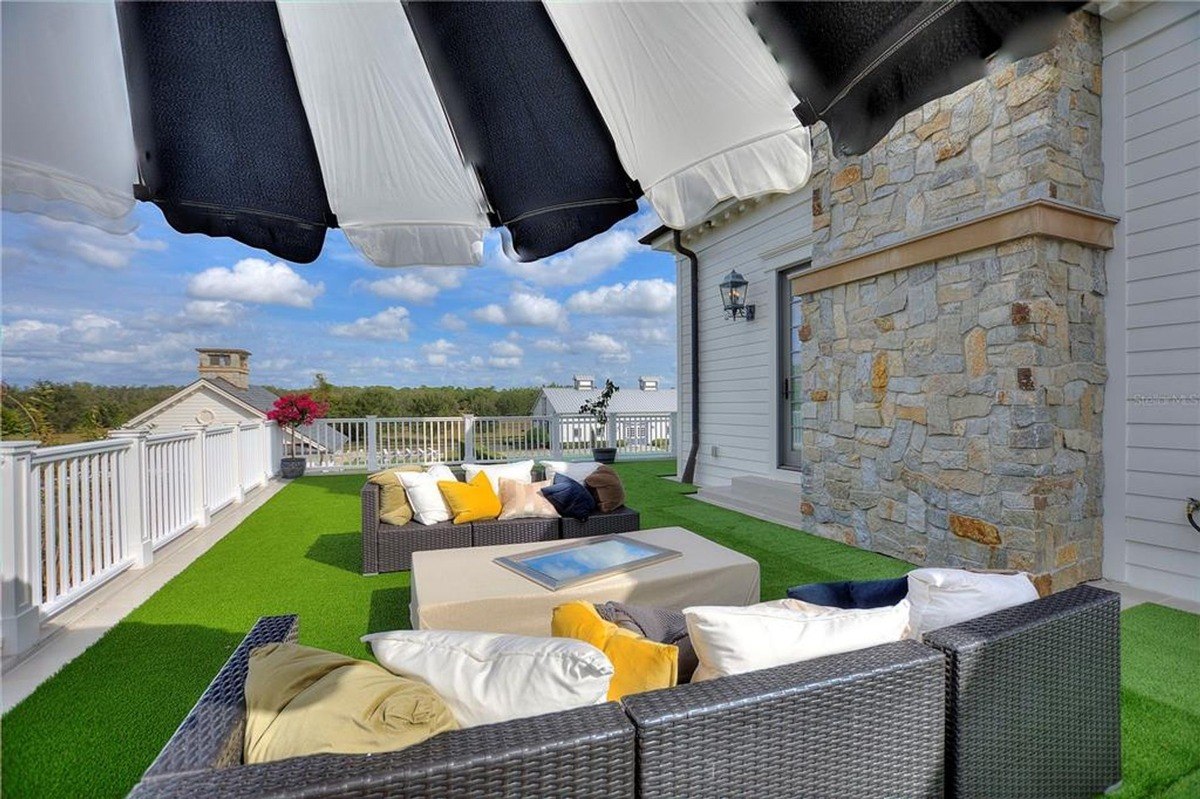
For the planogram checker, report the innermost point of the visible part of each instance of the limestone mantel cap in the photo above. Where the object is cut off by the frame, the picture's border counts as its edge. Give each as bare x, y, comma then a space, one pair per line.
1040, 217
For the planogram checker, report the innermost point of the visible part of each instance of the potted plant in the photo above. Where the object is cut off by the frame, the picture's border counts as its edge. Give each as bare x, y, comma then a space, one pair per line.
292, 411
598, 408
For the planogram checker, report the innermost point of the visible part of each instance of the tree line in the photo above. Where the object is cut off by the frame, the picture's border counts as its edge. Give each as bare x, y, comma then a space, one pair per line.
59, 413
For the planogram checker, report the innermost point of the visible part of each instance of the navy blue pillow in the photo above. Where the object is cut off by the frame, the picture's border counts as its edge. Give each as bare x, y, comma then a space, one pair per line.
863, 594
570, 498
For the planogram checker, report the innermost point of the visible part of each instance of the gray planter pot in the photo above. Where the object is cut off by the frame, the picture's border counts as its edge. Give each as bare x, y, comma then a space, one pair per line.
291, 468
604, 454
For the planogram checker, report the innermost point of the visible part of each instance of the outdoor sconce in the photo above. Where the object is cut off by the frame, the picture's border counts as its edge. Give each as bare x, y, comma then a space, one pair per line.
733, 297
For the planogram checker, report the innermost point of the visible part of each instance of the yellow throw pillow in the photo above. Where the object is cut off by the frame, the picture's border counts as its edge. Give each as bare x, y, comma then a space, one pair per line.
393, 501
471, 502
304, 701
638, 663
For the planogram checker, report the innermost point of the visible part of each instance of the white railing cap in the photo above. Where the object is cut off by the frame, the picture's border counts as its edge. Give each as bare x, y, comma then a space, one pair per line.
85, 448
18, 447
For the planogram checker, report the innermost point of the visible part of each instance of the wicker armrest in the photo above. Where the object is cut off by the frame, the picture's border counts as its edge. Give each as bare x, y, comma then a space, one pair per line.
866, 723
212, 733
584, 753
1033, 698
370, 528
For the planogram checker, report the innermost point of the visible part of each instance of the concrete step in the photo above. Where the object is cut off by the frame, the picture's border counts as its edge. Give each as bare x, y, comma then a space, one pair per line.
778, 507
775, 492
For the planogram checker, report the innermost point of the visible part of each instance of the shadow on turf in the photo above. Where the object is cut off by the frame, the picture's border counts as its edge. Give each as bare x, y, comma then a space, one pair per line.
389, 610
340, 550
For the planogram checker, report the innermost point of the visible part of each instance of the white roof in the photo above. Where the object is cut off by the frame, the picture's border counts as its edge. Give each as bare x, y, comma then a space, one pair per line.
567, 400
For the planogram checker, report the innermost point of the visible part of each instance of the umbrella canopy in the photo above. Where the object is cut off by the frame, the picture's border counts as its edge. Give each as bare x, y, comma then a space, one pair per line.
414, 127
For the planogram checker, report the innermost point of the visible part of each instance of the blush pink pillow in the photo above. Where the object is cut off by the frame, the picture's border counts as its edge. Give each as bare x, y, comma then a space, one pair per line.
524, 500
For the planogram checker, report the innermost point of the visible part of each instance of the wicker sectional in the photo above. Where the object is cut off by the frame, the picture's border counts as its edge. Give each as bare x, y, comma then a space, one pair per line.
388, 548
1022, 702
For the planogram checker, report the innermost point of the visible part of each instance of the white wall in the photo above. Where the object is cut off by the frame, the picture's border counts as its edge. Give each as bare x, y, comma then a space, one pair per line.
184, 412
739, 360
1151, 141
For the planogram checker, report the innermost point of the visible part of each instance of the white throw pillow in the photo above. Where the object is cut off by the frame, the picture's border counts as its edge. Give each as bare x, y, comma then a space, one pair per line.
734, 640
428, 504
942, 597
521, 471
576, 470
487, 678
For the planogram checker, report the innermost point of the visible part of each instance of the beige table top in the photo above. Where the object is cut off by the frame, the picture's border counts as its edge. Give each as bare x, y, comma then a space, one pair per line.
463, 589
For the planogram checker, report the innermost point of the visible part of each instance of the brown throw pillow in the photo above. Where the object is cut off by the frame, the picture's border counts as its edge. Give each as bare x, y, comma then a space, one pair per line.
663, 625
605, 486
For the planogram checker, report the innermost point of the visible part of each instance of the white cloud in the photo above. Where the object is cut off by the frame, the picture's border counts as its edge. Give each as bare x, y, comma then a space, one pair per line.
390, 324
605, 347
211, 312
453, 322
584, 262
654, 297
419, 285
255, 280
524, 308
505, 355
92, 245
437, 353
551, 345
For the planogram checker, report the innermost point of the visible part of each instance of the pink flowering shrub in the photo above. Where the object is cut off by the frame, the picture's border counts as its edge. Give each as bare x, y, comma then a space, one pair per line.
296, 410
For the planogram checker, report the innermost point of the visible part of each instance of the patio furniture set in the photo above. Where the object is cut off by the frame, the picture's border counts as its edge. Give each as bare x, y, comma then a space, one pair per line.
389, 547
1020, 702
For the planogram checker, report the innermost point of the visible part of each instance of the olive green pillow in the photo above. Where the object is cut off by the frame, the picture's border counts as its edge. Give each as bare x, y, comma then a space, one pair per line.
393, 501
304, 701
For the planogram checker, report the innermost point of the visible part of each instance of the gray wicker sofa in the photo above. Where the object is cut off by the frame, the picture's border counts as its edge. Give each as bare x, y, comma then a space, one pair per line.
1023, 702
389, 548
867, 723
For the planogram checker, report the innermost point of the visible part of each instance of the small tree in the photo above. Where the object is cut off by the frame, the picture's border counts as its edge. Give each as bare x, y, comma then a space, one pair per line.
296, 410
598, 407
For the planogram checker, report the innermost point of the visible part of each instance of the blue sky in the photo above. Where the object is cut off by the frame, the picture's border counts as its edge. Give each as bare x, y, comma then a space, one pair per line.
83, 304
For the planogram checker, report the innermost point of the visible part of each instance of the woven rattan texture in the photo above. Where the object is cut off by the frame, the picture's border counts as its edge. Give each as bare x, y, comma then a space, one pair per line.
211, 734
514, 531
621, 520
1033, 698
585, 753
860, 724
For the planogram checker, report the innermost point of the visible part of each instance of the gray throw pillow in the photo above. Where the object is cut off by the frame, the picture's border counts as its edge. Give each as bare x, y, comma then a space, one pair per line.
663, 625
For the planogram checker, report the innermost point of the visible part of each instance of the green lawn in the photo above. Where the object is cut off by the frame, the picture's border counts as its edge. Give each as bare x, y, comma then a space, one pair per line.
92, 729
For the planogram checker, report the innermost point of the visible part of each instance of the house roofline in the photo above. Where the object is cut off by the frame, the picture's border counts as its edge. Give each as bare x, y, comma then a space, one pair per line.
187, 391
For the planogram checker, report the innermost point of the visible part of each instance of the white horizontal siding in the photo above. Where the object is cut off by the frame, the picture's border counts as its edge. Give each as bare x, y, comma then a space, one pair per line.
1151, 130
184, 412
739, 372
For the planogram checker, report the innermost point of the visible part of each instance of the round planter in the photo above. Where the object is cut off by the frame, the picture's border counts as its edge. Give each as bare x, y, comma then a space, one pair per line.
291, 468
604, 454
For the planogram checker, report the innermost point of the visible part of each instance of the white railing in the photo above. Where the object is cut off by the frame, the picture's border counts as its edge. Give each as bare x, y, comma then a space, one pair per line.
170, 459
75, 516
370, 443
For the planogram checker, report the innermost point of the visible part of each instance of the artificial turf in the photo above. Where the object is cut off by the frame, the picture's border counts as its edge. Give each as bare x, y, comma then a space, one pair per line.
93, 728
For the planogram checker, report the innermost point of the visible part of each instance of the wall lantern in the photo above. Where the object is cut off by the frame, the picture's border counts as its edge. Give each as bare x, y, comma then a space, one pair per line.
733, 296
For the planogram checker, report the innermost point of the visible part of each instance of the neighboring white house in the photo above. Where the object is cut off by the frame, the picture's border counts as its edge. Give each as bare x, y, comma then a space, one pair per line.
979, 343
625, 406
222, 395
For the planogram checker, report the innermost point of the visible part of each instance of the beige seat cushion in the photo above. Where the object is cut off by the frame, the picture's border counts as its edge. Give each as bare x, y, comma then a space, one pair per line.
304, 701
393, 501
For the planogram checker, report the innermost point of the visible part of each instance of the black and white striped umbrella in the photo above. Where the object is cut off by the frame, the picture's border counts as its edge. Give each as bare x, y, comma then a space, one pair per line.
415, 127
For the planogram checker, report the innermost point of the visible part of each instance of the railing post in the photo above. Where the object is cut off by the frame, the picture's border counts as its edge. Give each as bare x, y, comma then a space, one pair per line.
610, 432
138, 542
372, 444
199, 479
20, 620
239, 468
468, 438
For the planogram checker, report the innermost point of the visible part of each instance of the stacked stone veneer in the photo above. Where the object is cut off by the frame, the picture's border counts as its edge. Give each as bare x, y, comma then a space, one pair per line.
953, 412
